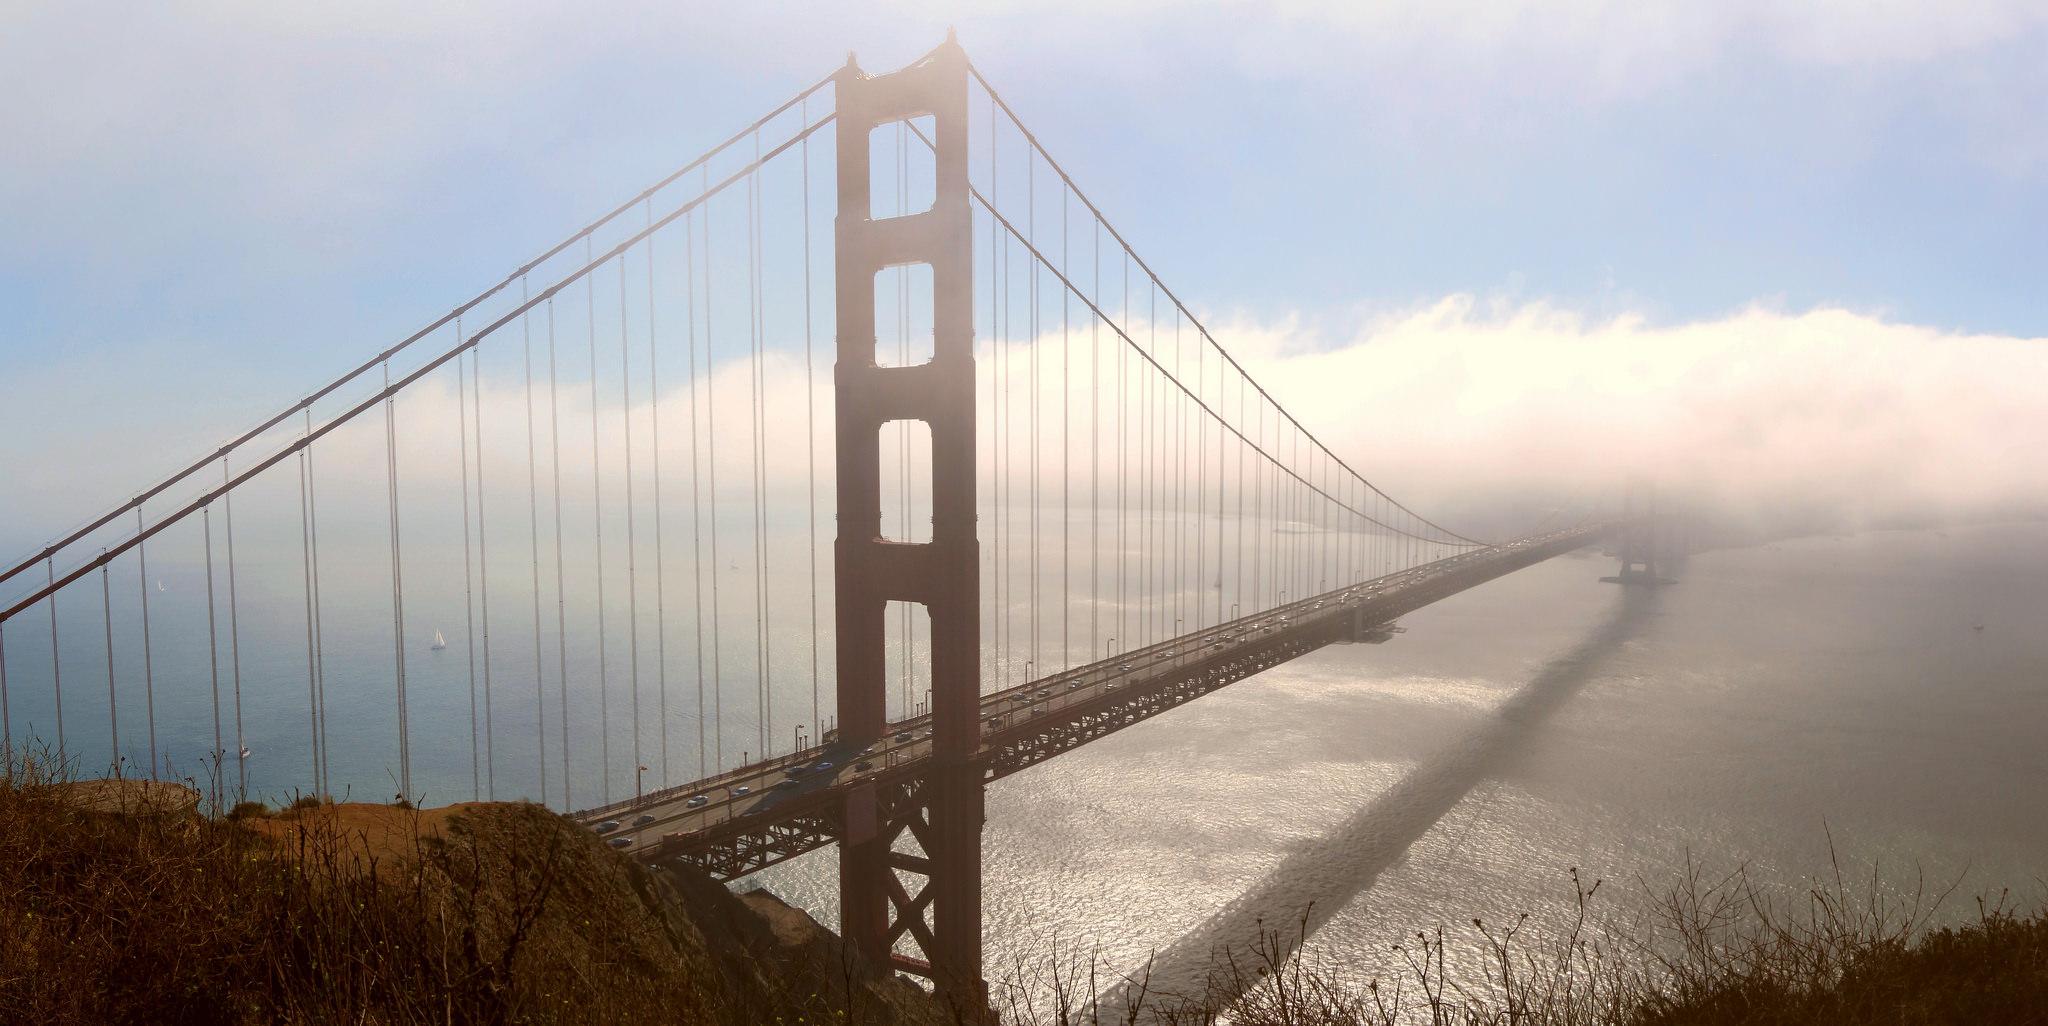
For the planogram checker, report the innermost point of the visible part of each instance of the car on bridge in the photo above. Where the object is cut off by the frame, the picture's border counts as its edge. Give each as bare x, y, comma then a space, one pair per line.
643, 819
697, 801
741, 791
607, 826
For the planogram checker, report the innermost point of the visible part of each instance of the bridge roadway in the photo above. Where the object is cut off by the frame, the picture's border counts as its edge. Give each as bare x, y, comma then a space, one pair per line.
754, 816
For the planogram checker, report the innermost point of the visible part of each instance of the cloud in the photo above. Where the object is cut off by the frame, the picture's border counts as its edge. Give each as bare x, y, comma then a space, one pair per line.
1481, 415
1762, 414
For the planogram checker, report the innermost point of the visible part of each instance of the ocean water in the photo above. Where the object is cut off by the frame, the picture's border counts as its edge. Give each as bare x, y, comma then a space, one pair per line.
1784, 708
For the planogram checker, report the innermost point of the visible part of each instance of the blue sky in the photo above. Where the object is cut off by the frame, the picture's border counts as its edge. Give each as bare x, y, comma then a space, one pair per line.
207, 208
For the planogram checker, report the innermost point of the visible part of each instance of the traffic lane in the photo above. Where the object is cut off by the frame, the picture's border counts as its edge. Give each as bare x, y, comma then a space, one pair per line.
763, 790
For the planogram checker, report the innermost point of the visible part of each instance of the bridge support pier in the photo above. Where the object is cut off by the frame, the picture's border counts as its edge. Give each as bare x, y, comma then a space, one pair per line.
1639, 539
882, 903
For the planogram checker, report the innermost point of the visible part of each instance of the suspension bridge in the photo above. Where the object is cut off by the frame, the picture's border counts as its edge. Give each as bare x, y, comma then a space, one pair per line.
609, 529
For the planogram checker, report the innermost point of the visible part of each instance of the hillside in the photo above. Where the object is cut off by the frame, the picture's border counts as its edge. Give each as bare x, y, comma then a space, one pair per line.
477, 913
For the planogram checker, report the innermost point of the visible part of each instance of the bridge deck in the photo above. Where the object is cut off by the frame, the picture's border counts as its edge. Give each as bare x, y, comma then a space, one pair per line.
754, 816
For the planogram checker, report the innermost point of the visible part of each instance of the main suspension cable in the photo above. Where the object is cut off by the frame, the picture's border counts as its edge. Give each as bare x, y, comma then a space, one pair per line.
996, 99
305, 404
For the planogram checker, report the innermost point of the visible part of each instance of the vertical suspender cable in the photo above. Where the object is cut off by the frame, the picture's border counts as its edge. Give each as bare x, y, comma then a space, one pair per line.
397, 590
56, 664
711, 491
985, 391
999, 315
234, 643
1152, 496
999, 320
1237, 551
312, 687
1095, 456
6, 714
561, 592
996, 398
604, 715
213, 655
1201, 494
632, 559
764, 709
1066, 515
1145, 496
1264, 531
540, 722
1031, 419
810, 426
1222, 461
319, 621
660, 565
148, 667
107, 610
1180, 467
476, 775
483, 571
696, 529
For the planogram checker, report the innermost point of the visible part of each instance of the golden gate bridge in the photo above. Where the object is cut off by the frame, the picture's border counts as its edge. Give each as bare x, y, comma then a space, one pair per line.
609, 520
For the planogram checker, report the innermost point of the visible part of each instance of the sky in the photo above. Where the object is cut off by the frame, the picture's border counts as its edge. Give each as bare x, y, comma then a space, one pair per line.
1789, 255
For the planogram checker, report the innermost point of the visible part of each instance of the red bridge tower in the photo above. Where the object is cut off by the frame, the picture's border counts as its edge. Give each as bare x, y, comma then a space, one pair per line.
942, 809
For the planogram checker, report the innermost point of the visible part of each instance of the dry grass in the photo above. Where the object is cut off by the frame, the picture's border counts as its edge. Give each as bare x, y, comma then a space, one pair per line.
503, 913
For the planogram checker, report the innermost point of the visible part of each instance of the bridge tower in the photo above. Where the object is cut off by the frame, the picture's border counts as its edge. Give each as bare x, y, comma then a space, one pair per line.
942, 809
1638, 538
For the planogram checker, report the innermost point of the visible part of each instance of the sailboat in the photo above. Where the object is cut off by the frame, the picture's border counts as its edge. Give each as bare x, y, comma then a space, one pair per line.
439, 642
245, 751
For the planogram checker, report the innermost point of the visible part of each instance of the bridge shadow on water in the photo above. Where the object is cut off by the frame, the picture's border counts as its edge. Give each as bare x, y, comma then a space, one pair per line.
1309, 886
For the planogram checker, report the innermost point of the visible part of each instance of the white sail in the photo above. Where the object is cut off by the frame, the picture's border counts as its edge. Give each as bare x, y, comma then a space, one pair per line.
439, 641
